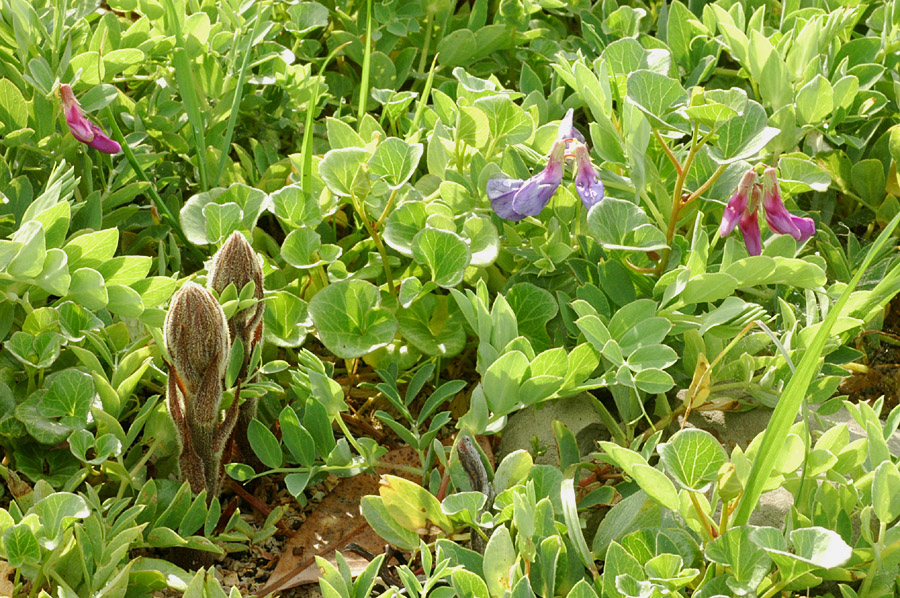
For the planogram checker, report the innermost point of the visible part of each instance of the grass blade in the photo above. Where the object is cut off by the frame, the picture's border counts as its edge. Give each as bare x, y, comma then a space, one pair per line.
184, 79
792, 398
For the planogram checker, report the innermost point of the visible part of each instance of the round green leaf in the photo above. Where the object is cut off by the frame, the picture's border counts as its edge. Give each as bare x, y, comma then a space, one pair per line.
350, 320
445, 254
693, 457
395, 161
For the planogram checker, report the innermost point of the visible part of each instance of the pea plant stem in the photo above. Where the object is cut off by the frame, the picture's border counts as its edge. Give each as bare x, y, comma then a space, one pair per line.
679, 202
360, 210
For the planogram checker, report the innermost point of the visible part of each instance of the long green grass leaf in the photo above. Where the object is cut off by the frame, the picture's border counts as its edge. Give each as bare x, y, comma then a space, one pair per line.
184, 79
238, 95
792, 398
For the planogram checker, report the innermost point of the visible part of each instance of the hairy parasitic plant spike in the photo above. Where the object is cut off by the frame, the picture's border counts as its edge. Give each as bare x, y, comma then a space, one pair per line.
199, 345
236, 263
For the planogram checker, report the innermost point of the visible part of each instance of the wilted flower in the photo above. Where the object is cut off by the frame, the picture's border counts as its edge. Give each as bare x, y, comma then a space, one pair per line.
514, 199
742, 210
779, 219
587, 179
82, 129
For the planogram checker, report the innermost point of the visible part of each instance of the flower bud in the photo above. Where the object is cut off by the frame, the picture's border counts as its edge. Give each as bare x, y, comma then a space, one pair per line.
196, 337
82, 129
730, 486
236, 263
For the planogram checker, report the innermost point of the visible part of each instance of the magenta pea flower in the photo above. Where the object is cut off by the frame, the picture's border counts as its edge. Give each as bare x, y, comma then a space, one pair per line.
587, 179
737, 205
742, 210
83, 129
514, 199
779, 219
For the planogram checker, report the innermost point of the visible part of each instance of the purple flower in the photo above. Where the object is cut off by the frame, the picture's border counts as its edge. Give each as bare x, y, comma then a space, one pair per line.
737, 205
779, 219
567, 131
749, 225
587, 179
82, 129
514, 199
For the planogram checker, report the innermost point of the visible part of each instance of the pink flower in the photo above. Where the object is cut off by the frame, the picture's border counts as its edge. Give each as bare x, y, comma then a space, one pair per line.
779, 219
82, 129
737, 205
742, 211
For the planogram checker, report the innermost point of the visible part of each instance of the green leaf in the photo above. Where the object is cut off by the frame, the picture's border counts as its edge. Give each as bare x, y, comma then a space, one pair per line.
88, 289
513, 469
221, 220
655, 94
743, 138
534, 308
815, 100
693, 457
377, 516
57, 511
508, 122
264, 444
13, 108
747, 562
468, 584
21, 546
656, 485
303, 249
298, 440
92, 250
867, 177
886, 492
125, 270
69, 397
433, 325
29, 261
501, 381
618, 224
445, 253
342, 171
283, 319
395, 161
295, 207
195, 213
350, 320
499, 556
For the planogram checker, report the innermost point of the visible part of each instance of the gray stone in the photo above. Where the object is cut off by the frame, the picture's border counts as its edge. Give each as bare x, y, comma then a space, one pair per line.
577, 413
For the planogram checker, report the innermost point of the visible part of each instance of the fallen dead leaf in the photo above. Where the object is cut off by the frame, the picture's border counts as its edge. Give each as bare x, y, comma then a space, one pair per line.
334, 523
6, 586
337, 521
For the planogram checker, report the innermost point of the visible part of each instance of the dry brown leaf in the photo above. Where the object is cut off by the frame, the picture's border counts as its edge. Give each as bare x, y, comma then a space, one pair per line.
335, 522
6, 586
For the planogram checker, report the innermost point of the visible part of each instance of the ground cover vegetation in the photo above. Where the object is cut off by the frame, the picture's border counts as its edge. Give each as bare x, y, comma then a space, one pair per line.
267, 242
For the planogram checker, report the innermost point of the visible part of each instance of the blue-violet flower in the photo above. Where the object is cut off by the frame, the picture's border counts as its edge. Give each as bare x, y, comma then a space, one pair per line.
587, 179
514, 199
